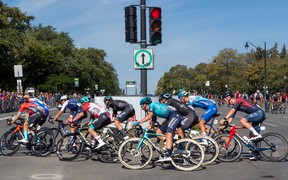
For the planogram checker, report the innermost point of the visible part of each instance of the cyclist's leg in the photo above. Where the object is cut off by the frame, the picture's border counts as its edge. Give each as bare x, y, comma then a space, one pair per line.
123, 116
99, 123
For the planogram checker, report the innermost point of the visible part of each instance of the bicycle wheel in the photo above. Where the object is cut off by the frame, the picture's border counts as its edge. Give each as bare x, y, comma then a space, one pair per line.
187, 154
134, 155
69, 147
109, 153
9, 144
229, 152
42, 144
273, 147
211, 148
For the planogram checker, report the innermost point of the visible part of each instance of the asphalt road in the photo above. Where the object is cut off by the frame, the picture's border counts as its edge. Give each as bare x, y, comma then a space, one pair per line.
22, 166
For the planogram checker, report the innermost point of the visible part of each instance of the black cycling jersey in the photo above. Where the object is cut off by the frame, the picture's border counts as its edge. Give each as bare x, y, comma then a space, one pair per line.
117, 105
181, 107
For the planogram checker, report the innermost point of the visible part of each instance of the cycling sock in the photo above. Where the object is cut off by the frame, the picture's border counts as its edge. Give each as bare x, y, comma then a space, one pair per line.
169, 152
25, 135
254, 131
98, 138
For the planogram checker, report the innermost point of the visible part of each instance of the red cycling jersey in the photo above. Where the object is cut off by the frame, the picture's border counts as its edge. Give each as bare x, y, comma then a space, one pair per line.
94, 109
30, 108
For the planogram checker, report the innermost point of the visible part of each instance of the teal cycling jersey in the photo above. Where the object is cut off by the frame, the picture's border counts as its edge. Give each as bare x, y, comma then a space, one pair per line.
201, 102
160, 110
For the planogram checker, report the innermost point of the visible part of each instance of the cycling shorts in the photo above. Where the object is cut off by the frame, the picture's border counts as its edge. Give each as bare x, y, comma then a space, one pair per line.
102, 121
37, 118
174, 121
128, 112
256, 118
189, 121
209, 113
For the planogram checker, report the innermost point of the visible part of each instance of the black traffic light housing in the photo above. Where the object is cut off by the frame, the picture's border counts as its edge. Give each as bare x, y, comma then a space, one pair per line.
130, 24
155, 25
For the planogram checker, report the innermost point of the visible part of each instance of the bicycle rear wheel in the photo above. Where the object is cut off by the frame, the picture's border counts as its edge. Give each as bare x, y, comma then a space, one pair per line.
187, 154
43, 142
211, 148
231, 151
133, 157
109, 153
69, 147
9, 144
273, 147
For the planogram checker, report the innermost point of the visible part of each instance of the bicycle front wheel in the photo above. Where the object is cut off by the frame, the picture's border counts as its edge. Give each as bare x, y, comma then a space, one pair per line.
69, 147
187, 154
273, 147
133, 155
109, 153
9, 144
43, 142
231, 151
210, 147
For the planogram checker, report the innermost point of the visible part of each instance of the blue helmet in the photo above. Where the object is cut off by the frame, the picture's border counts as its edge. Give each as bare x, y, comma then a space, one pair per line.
164, 95
182, 94
145, 100
108, 98
85, 99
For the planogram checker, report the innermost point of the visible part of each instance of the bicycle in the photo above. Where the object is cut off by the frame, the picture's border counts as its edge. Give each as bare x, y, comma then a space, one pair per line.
267, 106
274, 108
71, 145
40, 144
272, 146
136, 153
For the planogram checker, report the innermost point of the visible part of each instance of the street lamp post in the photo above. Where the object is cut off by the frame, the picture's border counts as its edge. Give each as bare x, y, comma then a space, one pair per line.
264, 52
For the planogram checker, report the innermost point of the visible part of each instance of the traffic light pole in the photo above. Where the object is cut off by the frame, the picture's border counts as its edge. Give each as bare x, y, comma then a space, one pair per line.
143, 44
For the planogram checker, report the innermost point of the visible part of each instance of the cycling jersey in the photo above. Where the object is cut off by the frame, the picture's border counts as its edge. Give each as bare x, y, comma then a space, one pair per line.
39, 103
190, 117
73, 105
98, 114
204, 103
36, 113
255, 112
126, 109
166, 112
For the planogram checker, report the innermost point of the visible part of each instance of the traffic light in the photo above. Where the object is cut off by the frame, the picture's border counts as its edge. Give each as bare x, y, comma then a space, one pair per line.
130, 24
155, 25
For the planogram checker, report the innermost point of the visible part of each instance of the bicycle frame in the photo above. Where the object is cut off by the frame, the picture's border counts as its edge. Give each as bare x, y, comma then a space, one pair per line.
146, 137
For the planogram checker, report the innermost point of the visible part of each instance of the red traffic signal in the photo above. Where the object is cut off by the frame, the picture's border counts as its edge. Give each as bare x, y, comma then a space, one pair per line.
155, 25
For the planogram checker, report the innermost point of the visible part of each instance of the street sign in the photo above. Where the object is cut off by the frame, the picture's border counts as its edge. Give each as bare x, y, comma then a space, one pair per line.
76, 83
130, 83
18, 71
143, 59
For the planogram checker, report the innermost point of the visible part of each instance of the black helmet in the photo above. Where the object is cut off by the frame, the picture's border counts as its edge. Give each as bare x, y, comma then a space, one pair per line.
164, 95
229, 93
23, 100
108, 98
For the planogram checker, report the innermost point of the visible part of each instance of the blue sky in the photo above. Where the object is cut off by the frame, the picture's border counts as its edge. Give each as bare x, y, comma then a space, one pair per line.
193, 30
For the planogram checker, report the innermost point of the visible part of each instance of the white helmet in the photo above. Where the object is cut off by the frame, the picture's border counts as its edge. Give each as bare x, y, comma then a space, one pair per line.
63, 97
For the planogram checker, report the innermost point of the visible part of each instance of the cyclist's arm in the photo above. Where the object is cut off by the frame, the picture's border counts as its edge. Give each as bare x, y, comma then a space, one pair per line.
146, 118
81, 114
16, 117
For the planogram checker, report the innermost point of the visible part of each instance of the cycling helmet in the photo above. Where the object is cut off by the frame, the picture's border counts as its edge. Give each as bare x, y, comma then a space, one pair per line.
23, 100
182, 94
145, 100
229, 93
85, 99
63, 97
164, 95
108, 98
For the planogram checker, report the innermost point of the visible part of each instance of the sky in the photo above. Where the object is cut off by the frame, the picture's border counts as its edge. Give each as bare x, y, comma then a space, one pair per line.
193, 31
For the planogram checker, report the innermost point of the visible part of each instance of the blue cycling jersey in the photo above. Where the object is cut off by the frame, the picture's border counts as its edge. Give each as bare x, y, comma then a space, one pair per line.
201, 102
160, 110
41, 104
73, 105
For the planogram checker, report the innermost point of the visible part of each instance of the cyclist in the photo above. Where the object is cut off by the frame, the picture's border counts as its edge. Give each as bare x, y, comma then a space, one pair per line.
267, 101
75, 108
127, 111
275, 99
189, 115
208, 105
258, 97
283, 99
173, 118
35, 115
99, 118
255, 114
